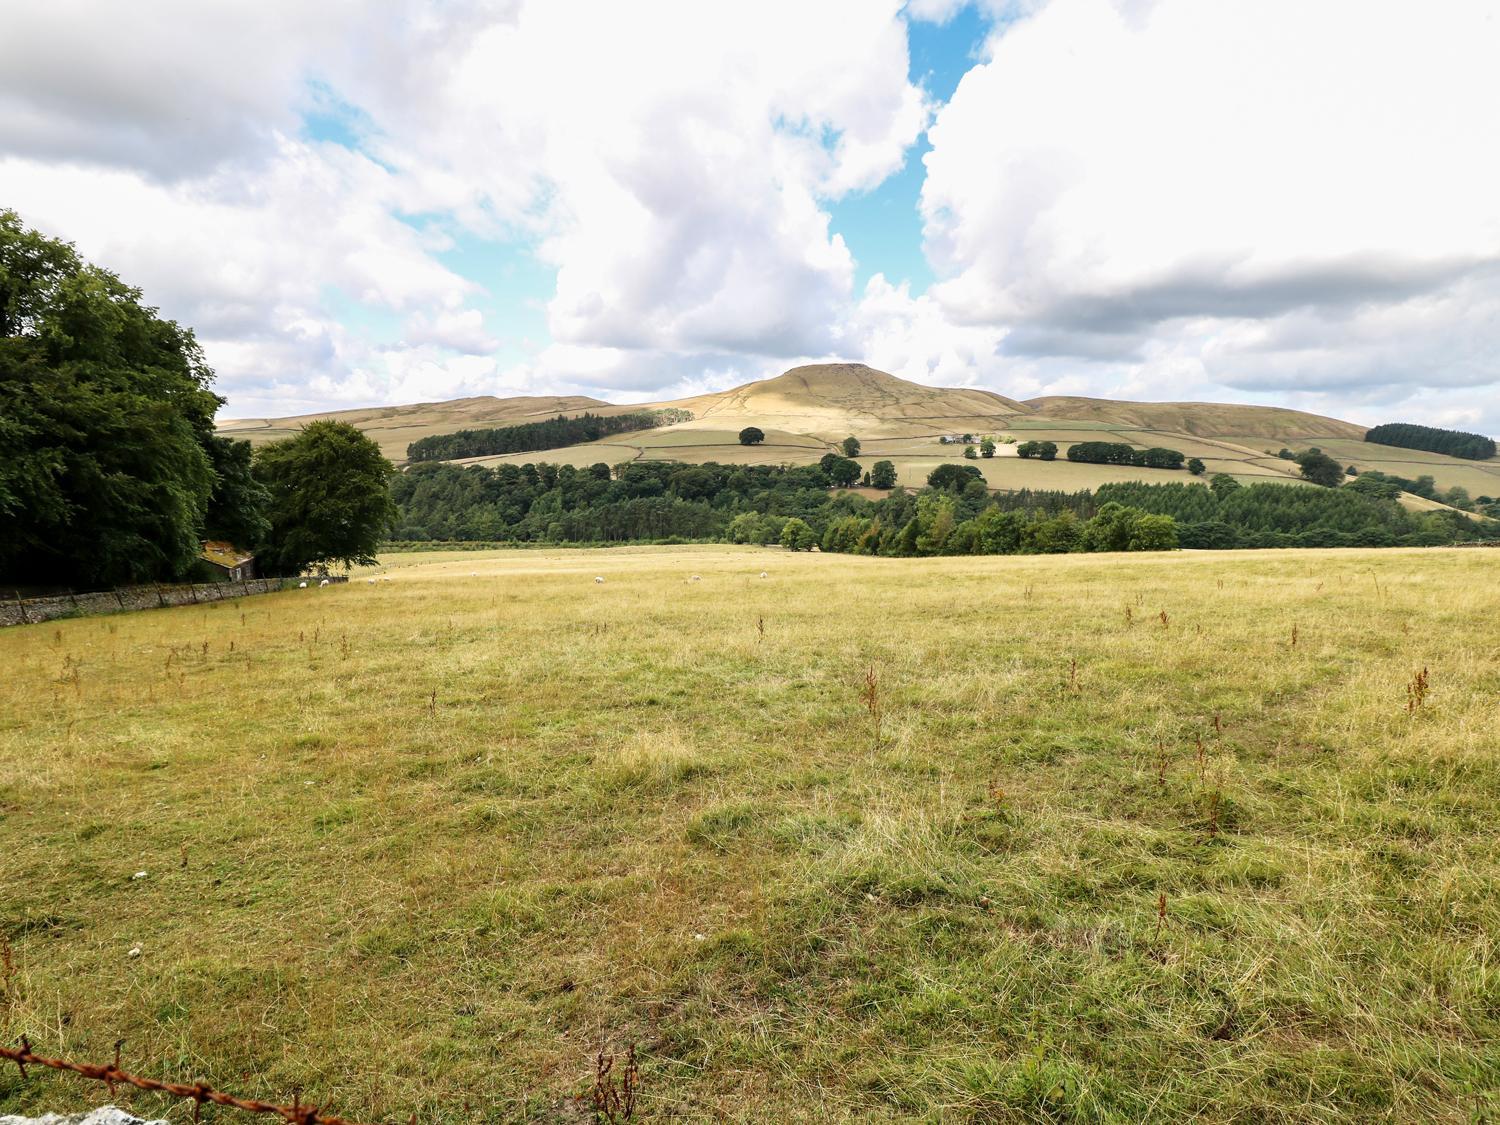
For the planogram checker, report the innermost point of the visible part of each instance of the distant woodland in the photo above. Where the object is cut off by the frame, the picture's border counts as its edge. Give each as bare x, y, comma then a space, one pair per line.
954, 514
1455, 443
532, 437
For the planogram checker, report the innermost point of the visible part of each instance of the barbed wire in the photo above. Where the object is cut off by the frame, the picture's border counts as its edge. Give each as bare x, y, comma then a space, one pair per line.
198, 1092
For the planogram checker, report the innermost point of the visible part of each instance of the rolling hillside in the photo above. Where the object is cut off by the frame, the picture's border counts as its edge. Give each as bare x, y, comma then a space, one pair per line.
396, 427
805, 411
1204, 419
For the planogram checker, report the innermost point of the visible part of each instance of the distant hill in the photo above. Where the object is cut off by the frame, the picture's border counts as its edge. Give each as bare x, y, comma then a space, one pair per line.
805, 411
1202, 419
837, 399
396, 427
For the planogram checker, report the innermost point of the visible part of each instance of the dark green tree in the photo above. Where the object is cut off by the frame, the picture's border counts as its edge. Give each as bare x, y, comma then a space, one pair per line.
1223, 484
844, 472
987, 447
1455, 443
1196, 467
1320, 468
330, 498
952, 476
105, 419
883, 475
752, 435
970, 454
237, 506
850, 446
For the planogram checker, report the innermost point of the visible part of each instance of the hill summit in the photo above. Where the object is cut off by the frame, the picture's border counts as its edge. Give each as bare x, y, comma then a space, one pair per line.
834, 399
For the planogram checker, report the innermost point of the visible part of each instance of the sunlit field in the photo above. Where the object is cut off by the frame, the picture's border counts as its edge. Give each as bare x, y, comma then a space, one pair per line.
1144, 837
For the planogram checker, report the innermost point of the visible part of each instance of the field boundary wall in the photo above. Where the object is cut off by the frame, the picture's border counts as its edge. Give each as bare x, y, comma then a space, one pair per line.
31, 611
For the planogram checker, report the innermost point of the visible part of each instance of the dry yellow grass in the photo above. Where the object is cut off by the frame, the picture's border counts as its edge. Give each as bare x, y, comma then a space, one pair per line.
426, 845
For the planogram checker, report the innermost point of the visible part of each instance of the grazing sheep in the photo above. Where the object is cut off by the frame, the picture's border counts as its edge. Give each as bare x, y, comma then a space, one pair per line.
371, 581
301, 585
598, 579
763, 574
322, 583
695, 578
385, 577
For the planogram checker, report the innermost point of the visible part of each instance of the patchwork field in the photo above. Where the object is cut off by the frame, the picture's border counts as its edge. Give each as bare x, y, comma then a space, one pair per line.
1088, 838
806, 410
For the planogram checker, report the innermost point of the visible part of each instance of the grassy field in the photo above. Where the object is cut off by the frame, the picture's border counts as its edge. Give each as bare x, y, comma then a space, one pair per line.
1130, 838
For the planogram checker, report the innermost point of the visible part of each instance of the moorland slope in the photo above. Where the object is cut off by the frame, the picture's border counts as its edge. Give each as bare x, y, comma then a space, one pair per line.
805, 411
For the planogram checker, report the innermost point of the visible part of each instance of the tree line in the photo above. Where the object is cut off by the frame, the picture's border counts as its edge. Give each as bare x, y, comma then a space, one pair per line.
1455, 443
954, 514
530, 437
110, 470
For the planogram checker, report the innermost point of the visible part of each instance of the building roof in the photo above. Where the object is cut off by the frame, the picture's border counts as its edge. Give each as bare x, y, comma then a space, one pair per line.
225, 554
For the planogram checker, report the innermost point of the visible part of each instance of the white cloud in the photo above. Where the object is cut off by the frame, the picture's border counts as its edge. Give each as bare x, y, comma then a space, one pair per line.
1274, 200
461, 330
671, 159
1266, 196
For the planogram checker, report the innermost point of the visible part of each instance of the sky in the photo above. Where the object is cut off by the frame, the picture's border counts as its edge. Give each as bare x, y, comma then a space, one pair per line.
1290, 202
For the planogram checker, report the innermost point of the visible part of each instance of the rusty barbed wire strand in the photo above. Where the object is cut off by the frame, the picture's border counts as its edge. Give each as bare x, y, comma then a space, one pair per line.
198, 1092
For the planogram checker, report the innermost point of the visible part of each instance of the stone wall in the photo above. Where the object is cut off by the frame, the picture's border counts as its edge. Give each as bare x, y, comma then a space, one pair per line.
29, 611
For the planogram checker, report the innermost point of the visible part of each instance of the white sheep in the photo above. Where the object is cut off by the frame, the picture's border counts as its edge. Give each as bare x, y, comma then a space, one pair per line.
371, 581
599, 579
322, 583
695, 578
301, 585
763, 574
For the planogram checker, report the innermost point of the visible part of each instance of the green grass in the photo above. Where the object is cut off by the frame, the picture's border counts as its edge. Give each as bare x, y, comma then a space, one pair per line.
426, 845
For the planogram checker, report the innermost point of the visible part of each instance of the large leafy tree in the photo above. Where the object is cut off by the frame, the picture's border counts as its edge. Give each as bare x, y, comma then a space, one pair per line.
105, 419
237, 508
330, 499
1320, 468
